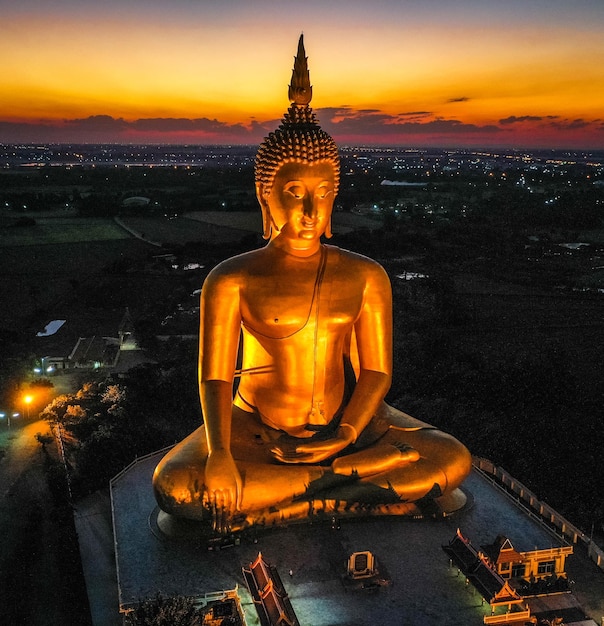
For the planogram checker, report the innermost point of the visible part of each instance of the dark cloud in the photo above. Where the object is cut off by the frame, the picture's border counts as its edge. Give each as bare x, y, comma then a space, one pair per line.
96, 123
378, 124
97, 128
183, 124
263, 127
177, 124
513, 119
457, 127
344, 123
461, 99
415, 114
331, 112
571, 124
31, 133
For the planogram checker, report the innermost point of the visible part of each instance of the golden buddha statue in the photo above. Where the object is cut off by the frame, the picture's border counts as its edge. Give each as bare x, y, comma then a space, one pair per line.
306, 330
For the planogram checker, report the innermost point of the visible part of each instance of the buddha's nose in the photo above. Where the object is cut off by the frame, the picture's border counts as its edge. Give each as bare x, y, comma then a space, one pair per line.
309, 207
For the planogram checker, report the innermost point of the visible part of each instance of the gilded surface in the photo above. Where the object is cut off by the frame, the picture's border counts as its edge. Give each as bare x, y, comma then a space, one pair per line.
307, 428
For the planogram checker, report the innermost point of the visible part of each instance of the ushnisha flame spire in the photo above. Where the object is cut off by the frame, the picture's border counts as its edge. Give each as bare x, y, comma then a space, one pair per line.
299, 138
300, 89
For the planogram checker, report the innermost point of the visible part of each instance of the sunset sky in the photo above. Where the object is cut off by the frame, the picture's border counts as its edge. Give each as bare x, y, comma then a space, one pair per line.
447, 73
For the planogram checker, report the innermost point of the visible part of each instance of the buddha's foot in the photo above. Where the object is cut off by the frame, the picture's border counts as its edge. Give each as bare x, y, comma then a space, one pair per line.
380, 458
170, 526
178, 527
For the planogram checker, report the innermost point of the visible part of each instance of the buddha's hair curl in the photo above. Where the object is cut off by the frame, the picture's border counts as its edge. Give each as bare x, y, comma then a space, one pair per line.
299, 139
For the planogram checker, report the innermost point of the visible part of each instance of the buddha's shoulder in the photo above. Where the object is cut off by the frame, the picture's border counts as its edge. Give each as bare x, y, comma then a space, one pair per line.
237, 266
357, 261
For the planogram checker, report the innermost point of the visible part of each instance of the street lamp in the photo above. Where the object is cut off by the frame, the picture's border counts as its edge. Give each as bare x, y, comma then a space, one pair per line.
9, 416
28, 401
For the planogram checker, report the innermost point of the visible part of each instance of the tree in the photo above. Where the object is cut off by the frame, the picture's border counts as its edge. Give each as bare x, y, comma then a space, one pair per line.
43, 440
173, 611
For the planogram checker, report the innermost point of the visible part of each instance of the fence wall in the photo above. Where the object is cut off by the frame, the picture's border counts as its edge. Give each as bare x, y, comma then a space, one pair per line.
540, 511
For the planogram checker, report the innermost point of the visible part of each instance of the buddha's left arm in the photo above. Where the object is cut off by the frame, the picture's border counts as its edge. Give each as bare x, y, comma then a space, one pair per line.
373, 330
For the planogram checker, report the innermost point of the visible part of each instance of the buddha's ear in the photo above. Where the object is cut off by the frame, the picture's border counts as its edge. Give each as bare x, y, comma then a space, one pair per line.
328, 233
266, 213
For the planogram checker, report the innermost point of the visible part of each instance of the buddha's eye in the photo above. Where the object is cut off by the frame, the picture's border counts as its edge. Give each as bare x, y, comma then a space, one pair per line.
296, 190
324, 190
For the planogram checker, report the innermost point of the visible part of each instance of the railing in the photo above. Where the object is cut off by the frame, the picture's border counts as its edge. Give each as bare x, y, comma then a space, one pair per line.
138, 459
61, 447
540, 511
507, 618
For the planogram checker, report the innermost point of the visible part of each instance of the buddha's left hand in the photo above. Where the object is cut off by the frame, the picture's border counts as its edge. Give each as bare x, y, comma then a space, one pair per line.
314, 451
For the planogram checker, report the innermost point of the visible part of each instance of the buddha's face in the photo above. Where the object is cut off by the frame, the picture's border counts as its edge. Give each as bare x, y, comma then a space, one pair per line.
299, 204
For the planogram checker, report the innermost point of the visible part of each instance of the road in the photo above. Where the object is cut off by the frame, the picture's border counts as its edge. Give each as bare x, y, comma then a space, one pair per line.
20, 447
40, 571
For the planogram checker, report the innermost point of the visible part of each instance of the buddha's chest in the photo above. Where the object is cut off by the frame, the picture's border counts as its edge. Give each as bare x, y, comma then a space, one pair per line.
278, 305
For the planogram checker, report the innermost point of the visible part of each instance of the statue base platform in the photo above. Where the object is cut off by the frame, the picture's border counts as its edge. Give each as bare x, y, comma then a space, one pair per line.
158, 554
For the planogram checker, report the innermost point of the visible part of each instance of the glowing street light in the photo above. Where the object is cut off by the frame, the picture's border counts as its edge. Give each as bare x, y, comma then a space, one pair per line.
27, 400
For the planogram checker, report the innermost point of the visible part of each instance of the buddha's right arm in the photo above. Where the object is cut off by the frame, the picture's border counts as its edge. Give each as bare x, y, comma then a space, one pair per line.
216, 402
219, 327
220, 324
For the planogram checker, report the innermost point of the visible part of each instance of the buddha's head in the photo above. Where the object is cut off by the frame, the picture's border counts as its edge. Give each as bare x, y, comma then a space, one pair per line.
297, 166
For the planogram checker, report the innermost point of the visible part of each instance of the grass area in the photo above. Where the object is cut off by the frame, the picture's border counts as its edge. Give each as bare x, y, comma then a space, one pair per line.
45, 276
250, 221
181, 230
62, 230
593, 236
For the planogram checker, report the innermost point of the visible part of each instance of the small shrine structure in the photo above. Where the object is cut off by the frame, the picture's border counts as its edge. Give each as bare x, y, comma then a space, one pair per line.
268, 594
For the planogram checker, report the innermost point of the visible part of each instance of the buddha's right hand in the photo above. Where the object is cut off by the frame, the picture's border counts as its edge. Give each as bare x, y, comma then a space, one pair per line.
223, 489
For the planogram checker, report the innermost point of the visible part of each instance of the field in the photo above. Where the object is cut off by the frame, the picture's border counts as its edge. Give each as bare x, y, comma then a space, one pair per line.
59, 230
44, 276
183, 230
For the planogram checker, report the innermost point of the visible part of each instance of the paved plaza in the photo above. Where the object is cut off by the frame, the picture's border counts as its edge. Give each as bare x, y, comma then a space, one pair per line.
425, 588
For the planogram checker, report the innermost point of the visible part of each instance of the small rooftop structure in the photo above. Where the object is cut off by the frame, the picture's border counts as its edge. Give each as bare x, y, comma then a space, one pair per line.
51, 328
361, 565
363, 572
532, 565
136, 201
268, 594
492, 587
94, 352
222, 608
